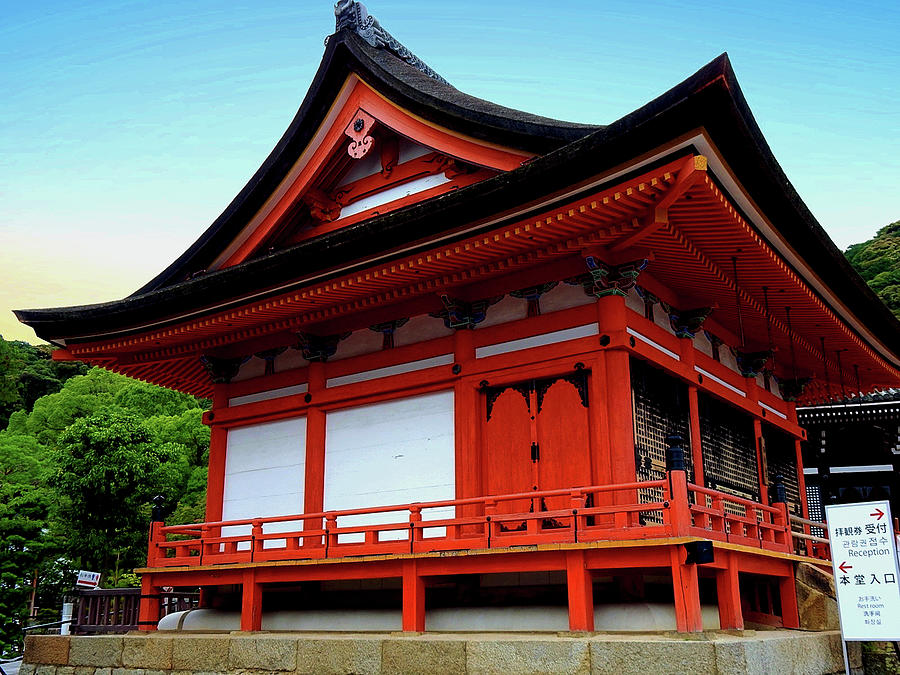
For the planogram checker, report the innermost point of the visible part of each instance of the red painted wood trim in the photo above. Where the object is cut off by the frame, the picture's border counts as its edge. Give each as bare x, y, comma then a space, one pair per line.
696, 442
688, 615
314, 485
728, 593
393, 117
413, 598
579, 584
251, 602
215, 478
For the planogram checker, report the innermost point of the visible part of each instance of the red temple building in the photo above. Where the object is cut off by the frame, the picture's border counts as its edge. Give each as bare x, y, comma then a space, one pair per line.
466, 360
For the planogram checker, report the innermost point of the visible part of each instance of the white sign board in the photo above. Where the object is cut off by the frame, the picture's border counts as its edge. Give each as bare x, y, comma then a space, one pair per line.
866, 573
87, 579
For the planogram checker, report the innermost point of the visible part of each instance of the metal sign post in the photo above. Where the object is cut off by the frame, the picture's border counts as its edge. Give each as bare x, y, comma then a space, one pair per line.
866, 571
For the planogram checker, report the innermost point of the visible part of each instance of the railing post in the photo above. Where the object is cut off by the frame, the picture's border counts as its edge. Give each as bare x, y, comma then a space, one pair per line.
679, 504
330, 536
204, 534
155, 538
577, 501
783, 518
415, 533
490, 510
255, 543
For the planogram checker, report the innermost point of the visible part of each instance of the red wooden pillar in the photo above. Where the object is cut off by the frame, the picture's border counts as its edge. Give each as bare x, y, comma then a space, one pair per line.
215, 492
621, 421
148, 613
599, 423
790, 614
466, 420
696, 444
413, 598
581, 592
314, 490
251, 602
760, 460
688, 617
314, 481
729, 593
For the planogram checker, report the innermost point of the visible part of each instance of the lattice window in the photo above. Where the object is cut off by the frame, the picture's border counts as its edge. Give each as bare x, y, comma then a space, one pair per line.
781, 457
660, 407
815, 508
729, 451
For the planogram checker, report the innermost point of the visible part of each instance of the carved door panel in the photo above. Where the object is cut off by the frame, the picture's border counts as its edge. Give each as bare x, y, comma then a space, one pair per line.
507, 445
563, 436
536, 437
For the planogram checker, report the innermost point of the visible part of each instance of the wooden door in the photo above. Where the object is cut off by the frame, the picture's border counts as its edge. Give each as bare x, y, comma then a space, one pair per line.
563, 437
536, 437
507, 445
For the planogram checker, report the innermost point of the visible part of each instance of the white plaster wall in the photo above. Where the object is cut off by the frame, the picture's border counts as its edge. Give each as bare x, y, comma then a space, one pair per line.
634, 301
563, 297
508, 309
264, 474
702, 343
290, 359
419, 329
362, 341
255, 367
393, 452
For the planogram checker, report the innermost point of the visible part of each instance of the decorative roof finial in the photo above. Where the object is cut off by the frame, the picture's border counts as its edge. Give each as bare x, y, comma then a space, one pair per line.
352, 15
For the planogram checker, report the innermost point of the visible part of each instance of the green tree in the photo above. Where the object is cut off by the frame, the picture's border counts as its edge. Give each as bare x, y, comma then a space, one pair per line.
878, 263
31, 373
107, 470
25, 547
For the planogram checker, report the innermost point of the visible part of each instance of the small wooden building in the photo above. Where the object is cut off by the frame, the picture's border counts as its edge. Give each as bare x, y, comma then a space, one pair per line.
449, 346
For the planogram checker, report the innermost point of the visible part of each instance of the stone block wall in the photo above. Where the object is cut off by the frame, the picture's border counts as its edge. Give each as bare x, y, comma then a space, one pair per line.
294, 653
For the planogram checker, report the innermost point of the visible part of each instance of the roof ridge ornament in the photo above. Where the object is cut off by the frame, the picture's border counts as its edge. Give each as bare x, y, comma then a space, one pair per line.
352, 15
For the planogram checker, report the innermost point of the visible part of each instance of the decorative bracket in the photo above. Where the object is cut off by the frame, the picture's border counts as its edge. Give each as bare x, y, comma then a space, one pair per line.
793, 388
751, 363
613, 279
387, 330
715, 342
358, 131
533, 295
318, 347
222, 370
461, 315
686, 323
321, 207
269, 355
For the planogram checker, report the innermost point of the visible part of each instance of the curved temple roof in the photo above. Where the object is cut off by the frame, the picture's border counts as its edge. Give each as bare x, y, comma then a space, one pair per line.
568, 158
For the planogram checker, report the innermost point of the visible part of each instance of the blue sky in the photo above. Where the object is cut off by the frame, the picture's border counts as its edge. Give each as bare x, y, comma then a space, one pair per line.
127, 127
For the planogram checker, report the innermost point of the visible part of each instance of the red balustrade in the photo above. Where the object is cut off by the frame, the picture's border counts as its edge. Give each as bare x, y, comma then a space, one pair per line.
724, 517
595, 513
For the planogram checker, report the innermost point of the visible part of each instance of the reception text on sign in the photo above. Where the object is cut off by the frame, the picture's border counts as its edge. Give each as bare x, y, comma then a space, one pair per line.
866, 574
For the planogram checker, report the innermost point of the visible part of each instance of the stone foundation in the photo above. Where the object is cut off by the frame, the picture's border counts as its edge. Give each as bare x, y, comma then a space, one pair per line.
248, 653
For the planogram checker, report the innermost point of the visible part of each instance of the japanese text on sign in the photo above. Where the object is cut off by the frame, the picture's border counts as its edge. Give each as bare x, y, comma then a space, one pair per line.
864, 556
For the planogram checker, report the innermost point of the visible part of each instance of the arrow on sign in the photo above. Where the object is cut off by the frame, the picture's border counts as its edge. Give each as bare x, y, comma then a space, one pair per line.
843, 567
878, 514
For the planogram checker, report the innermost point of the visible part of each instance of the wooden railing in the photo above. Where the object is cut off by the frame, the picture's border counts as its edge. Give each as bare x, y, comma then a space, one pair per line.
116, 610
599, 512
112, 610
724, 517
815, 545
